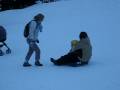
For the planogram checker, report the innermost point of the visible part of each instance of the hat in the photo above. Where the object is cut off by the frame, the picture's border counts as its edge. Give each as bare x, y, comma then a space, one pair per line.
39, 17
74, 43
83, 35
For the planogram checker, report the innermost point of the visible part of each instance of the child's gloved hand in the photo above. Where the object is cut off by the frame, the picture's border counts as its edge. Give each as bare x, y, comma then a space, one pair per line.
40, 30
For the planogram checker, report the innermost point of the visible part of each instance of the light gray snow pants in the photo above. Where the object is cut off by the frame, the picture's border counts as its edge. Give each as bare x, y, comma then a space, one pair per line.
32, 47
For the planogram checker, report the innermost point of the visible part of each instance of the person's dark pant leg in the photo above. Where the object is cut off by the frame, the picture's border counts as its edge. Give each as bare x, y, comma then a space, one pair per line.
33, 47
69, 58
37, 52
66, 59
29, 54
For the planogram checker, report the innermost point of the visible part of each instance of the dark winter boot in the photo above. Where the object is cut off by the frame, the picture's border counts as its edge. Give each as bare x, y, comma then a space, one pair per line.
37, 63
26, 64
53, 61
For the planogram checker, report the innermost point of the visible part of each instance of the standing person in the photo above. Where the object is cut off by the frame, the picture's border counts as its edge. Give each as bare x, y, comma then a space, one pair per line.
78, 55
35, 27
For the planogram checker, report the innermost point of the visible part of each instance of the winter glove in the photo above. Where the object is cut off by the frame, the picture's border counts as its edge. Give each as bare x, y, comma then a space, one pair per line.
40, 30
37, 41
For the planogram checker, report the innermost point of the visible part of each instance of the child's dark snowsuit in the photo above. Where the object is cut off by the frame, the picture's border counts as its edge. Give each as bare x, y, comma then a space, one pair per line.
69, 58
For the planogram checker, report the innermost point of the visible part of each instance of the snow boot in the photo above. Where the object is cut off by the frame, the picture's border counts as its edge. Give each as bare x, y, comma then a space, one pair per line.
26, 64
53, 61
37, 63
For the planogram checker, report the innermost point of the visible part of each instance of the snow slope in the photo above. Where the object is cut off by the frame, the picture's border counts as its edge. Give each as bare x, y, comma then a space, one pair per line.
64, 20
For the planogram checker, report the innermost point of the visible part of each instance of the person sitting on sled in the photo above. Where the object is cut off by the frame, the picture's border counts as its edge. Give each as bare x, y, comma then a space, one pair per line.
80, 53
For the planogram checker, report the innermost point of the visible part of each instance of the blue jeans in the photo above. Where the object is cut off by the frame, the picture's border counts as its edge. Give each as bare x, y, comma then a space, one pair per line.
33, 47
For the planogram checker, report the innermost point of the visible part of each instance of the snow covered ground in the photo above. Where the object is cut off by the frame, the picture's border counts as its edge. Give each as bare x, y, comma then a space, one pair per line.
64, 20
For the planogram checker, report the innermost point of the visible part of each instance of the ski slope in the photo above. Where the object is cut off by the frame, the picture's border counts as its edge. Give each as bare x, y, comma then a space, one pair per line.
63, 22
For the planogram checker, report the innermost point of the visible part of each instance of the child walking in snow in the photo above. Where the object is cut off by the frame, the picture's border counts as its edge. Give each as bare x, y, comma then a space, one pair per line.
35, 27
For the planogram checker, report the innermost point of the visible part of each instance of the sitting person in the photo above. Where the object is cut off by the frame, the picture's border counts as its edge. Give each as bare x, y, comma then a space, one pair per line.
80, 53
